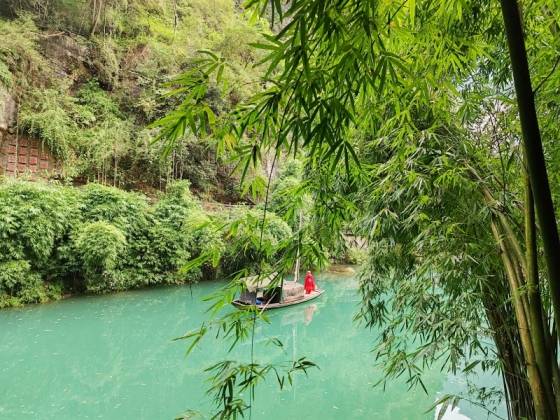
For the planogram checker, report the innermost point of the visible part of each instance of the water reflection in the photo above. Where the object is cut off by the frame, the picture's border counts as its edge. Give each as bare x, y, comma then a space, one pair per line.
308, 313
299, 314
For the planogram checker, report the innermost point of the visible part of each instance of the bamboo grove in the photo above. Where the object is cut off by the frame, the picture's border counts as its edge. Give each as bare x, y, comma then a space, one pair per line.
436, 123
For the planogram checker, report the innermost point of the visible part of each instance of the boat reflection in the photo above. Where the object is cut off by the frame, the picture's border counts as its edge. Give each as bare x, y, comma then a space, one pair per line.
308, 313
299, 315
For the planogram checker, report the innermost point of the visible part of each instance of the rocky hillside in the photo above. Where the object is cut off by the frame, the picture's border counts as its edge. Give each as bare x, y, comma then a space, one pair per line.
82, 79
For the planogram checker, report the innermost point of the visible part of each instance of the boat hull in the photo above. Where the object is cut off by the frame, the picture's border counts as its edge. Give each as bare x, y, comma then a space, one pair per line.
268, 306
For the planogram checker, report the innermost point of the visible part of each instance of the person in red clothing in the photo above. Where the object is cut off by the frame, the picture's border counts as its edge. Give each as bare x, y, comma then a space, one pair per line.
309, 283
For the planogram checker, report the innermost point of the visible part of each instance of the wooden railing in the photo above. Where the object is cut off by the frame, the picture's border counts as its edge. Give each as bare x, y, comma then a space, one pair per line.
215, 207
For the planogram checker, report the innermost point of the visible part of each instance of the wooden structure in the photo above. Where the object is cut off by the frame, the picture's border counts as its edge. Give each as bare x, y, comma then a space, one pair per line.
264, 295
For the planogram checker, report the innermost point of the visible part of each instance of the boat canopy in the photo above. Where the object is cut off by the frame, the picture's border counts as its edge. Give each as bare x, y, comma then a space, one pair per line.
254, 283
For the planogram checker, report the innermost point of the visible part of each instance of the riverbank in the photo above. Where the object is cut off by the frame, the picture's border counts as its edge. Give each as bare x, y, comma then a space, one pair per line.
342, 269
345, 272
59, 240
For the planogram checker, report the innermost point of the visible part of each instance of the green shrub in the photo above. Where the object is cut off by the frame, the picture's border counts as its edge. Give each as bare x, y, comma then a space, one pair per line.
206, 238
282, 198
156, 256
19, 284
6, 77
106, 60
158, 252
356, 256
100, 245
18, 50
127, 211
16, 276
291, 168
174, 208
34, 217
47, 115
179, 190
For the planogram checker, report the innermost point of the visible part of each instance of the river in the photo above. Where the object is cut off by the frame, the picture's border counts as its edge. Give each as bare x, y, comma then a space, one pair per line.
112, 357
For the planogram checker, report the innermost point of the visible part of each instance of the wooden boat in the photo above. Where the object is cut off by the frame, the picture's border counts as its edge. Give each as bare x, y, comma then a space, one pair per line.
261, 292
264, 296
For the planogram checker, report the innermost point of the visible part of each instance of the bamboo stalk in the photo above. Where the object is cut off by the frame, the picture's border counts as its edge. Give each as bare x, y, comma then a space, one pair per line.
540, 347
551, 343
516, 258
496, 301
533, 149
512, 238
537, 390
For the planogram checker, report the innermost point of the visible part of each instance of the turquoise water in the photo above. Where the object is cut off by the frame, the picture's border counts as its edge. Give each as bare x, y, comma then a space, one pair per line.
112, 357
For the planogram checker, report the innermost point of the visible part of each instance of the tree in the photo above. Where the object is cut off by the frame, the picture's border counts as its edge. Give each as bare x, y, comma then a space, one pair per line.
391, 98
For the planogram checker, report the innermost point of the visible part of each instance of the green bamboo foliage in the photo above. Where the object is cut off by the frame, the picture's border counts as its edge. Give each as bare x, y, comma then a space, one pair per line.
403, 114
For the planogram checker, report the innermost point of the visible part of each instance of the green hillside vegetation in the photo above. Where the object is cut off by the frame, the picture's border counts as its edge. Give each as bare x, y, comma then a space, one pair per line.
89, 77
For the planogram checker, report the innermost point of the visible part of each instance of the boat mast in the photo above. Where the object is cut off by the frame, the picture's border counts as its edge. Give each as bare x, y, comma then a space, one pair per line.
296, 272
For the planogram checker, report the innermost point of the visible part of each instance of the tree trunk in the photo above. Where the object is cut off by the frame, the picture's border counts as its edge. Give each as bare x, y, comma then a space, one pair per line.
96, 6
533, 149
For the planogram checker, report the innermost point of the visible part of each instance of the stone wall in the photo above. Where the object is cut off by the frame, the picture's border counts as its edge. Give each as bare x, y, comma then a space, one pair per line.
20, 155
25, 156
